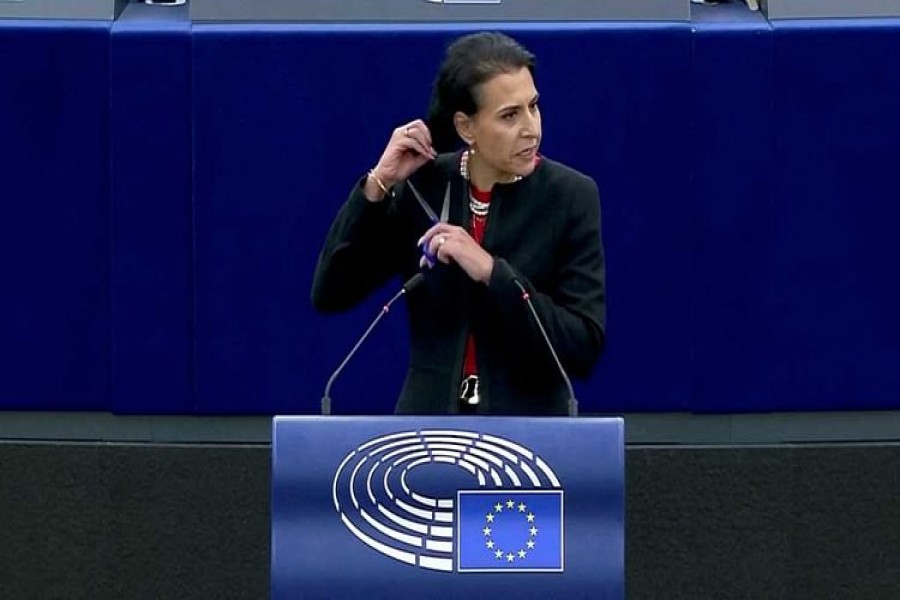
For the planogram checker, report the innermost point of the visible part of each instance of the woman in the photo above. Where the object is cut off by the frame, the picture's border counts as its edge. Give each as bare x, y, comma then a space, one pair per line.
508, 216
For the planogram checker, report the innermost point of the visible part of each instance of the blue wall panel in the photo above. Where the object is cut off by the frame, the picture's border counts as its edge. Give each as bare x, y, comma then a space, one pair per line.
732, 210
152, 236
835, 326
54, 215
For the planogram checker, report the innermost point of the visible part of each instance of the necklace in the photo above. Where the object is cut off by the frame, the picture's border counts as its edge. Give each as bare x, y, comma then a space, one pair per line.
478, 208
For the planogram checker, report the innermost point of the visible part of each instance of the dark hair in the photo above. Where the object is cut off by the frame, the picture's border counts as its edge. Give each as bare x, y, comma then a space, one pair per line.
469, 62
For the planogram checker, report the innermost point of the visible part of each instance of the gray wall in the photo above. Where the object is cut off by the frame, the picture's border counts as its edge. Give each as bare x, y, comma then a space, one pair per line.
424, 11
803, 9
103, 10
431, 11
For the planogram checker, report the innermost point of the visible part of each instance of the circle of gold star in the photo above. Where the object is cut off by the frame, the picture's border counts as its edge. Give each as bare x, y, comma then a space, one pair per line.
511, 507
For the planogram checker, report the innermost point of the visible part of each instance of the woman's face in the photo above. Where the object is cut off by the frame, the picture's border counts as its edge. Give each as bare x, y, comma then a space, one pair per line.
506, 130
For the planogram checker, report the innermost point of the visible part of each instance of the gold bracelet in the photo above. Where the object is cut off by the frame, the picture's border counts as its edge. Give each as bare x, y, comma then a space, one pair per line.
379, 182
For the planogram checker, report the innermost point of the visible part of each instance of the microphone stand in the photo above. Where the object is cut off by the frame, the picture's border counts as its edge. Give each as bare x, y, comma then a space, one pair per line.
573, 403
410, 284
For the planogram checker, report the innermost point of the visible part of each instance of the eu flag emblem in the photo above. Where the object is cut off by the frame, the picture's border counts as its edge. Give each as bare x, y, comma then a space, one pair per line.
512, 530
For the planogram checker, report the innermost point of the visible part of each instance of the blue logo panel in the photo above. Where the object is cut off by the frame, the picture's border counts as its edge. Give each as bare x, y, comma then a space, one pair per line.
517, 530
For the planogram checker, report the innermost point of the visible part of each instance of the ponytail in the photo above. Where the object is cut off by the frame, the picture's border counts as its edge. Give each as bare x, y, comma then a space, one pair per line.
443, 130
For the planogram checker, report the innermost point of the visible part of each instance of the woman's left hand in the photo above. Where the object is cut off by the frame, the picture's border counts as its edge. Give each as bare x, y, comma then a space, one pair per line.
451, 243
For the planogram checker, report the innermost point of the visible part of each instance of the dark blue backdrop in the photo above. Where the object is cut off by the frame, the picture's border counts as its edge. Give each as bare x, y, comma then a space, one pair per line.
152, 242
277, 150
54, 215
165, 190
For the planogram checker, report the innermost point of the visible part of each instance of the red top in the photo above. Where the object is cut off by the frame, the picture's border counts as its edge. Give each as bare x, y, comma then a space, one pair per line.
470, 367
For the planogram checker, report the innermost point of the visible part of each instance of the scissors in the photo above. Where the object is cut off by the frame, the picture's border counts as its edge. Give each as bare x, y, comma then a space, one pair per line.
432, 216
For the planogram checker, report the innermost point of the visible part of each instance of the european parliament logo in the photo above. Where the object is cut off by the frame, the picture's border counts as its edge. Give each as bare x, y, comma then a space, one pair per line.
504, 513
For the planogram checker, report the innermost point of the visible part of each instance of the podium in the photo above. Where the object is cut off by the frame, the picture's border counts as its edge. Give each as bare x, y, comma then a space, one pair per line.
447, 507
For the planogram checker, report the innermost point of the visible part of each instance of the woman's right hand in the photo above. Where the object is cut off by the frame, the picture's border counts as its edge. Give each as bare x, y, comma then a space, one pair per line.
408, 149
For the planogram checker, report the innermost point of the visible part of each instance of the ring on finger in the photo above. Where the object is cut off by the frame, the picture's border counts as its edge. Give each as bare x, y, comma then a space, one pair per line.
441, 241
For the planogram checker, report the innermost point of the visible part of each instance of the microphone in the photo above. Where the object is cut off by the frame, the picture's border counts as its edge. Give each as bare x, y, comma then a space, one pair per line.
410, 285
573, 403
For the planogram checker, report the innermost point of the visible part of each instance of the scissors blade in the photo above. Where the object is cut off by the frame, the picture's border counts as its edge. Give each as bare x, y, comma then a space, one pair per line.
428, 210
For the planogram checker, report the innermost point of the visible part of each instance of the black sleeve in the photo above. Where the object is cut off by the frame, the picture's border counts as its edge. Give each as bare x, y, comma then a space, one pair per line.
360, 253
574, 312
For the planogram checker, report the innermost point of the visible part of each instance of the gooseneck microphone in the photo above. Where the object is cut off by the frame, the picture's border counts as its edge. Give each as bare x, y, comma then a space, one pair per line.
410, 285
573, 403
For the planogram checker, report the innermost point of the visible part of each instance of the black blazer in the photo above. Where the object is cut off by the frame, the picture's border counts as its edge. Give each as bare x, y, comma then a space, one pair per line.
543, 231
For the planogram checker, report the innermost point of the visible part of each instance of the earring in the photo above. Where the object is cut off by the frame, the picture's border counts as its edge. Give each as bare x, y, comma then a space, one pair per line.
464, 162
